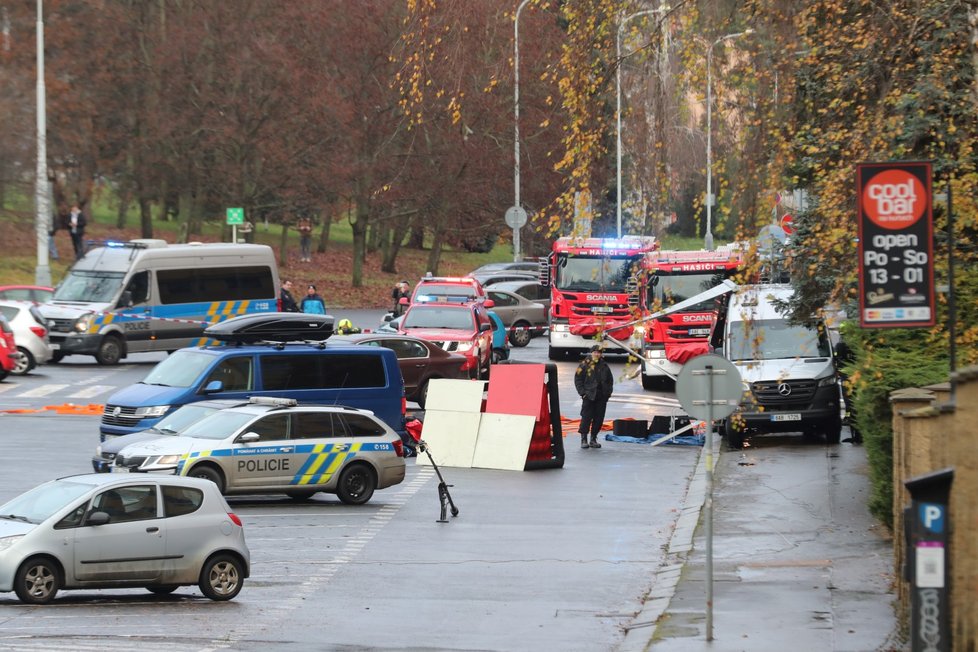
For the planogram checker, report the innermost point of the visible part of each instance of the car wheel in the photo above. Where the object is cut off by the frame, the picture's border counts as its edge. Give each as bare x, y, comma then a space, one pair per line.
300, 495
208, 473
221, 578
23, 362
109, 351
356, 485
423, 395
163, 589
37, 581
56, 357
3, 373
520, 334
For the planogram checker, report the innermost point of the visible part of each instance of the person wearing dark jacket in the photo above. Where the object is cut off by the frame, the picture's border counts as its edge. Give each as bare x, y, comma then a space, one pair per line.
287, 300
75, 223
594, 383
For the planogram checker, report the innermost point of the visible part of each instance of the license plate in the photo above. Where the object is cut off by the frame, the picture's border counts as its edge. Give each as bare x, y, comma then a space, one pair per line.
602, 310
55, 346
699, 332
786, 417
120, 469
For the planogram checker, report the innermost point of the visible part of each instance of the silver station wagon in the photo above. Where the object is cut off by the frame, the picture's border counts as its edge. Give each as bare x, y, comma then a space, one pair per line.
108, 531
274, 445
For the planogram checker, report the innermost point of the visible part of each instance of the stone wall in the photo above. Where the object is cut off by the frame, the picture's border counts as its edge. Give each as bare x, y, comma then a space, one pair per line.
931, 432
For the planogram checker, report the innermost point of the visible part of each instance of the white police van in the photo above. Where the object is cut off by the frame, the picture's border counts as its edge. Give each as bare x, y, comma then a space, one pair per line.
147, 295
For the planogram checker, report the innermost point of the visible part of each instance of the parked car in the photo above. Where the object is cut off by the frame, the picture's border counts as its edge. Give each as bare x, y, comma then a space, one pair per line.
30, 335
522, 266
463, 328
35, 293
8, 348
279, 447
420, 360
171, 425
532, 290
492, 278
523, 318
121, 531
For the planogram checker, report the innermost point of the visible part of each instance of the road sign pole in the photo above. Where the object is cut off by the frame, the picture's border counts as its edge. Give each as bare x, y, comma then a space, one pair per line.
234, 233
709, 504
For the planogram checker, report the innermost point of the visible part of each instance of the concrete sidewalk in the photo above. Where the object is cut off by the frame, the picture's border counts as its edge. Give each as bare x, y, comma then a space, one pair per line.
798, 561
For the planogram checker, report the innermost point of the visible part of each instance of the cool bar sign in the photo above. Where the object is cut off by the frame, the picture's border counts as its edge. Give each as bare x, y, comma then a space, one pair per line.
896, 245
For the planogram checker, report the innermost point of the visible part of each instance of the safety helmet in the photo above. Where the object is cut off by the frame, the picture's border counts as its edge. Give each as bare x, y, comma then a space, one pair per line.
345, 324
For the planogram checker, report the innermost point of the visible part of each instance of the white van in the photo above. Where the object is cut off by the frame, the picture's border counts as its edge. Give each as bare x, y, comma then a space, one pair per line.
789, 374
147, 295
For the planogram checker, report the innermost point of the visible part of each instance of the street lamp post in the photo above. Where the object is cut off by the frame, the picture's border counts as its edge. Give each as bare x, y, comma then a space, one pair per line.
621, 26
517, 256
42, 273
708, 239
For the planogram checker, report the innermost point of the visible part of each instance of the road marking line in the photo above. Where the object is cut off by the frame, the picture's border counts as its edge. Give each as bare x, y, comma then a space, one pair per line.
94, 390
43, 390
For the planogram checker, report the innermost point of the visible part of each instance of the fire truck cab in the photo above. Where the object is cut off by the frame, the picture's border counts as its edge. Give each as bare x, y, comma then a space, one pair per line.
674, 276
594, 289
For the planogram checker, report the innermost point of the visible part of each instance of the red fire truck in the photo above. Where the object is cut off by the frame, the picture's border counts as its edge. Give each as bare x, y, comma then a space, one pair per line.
594, 288
674, 276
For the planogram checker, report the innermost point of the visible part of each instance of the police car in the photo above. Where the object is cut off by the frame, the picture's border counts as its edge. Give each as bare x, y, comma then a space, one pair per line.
274, 445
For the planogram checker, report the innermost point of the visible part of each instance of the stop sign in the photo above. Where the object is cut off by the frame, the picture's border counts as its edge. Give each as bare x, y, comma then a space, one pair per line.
787, 223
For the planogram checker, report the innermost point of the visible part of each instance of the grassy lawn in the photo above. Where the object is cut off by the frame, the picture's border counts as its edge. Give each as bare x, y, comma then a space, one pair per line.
329, 271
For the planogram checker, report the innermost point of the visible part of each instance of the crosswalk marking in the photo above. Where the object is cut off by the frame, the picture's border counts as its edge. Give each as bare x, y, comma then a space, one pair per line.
43, 390
94, 390
6, 387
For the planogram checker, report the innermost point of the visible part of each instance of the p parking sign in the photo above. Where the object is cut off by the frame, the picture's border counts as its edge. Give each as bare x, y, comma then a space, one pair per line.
896, 245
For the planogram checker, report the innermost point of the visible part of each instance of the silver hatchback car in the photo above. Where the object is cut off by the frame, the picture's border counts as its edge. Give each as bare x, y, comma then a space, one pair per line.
110, 531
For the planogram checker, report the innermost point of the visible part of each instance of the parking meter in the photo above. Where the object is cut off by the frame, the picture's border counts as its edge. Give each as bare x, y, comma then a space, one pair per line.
928, 526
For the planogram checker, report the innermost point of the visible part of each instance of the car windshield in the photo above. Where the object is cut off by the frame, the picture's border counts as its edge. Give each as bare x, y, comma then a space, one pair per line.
180, 369
672, 289
438, 317
593, 273
89, 287
40, 503
183, 417
220, 425
773, 339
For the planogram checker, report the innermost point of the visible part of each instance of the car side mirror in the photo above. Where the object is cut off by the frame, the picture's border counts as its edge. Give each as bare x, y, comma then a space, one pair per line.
97, 518
489, 303
213, 387
404, 301
249, 438
389, 317
485, 327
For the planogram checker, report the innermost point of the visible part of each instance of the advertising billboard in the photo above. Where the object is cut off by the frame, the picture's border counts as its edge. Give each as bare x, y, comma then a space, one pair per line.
896, 244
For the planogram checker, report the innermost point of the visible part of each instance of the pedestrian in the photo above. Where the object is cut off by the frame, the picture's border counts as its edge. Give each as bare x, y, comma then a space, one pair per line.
313, 303
594, 384
76, 227
401, 291
305, 239
52, 241
286, 298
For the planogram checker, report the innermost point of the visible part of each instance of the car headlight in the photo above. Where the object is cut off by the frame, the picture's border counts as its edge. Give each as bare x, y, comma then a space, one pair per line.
465, 346
828, 381
6, 542
162, 460
152, 411
83, 323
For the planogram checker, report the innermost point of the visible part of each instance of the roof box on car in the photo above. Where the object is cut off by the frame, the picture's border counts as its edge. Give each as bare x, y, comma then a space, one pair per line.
272, 327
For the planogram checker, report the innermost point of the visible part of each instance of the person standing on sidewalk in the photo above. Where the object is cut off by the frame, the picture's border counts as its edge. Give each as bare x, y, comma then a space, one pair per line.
76, 227
312, 302
288, 301
594, 383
